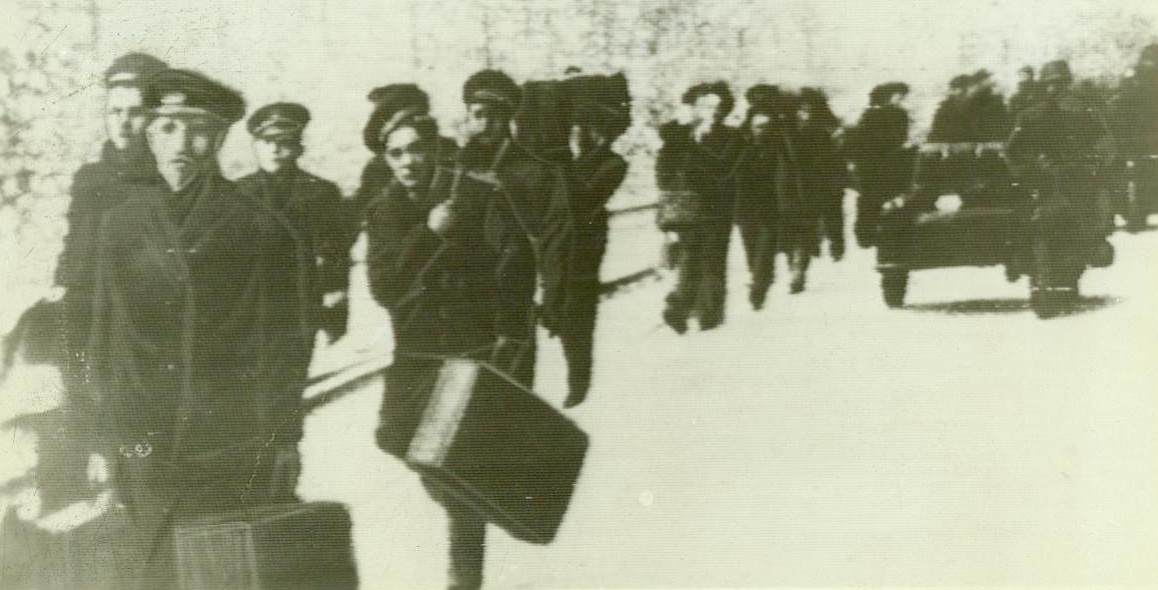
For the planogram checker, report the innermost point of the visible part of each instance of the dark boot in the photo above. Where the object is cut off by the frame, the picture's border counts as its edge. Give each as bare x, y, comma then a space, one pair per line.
836, 249
756, 296
676, 319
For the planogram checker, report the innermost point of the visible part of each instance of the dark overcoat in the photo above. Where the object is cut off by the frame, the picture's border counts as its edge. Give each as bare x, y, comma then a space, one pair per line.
199, 331
314, 210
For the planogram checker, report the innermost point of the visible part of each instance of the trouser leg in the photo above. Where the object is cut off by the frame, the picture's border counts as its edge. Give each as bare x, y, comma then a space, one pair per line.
579, 341
467, 539
713, 282
799, 259
680, 300
868, 211
833, 217
763, 265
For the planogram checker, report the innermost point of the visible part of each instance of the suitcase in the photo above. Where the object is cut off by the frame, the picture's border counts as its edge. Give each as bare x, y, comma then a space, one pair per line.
280, 546
499, 448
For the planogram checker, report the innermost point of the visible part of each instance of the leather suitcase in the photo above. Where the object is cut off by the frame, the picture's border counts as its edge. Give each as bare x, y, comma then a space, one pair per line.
498, 447
281, 546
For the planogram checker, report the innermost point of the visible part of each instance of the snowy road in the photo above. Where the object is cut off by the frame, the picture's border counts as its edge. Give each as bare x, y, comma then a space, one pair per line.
826, 440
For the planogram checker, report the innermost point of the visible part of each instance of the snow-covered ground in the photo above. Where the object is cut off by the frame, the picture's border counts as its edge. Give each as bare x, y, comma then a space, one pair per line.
826, 440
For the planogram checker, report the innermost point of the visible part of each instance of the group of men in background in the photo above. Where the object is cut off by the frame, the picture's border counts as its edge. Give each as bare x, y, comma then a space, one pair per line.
780, 176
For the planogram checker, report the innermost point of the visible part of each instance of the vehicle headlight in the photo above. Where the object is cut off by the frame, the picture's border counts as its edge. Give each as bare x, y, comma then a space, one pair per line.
948, 203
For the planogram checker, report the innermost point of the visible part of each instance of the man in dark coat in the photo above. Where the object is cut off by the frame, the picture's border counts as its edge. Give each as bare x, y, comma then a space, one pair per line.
1134, 118
391, 98
1027, 92
878, 151
1057, 149
600, 113
449, 260
704, 154
985, 113
766, 175
199, 322
100, 186
311, 206
536, 191
950, 123
96, 188
828, 175
821, 182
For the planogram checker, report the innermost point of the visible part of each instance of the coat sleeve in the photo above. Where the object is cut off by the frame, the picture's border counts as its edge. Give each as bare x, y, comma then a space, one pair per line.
75, 267
399, 248
93, 411
286, 338
333, 240
515, 281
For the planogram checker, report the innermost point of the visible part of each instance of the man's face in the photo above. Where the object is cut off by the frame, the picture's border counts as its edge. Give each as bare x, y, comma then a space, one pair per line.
486, 122
706, 108
760, 125
124, 116
1055, 88
278, 153
184, 145
897, 99
803, 113
409, 157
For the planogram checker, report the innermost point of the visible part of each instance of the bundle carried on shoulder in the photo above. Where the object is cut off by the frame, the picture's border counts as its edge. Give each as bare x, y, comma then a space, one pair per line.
549, 109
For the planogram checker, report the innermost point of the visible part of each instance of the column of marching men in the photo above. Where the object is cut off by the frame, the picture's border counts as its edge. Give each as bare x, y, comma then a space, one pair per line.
192, 302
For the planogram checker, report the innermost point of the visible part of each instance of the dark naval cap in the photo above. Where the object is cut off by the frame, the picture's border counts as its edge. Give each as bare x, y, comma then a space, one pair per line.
185, 92
278, 120
492, 87
133, 69
394, 104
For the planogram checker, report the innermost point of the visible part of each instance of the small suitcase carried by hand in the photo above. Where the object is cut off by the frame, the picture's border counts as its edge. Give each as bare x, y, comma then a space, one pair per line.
498, 447
276, 547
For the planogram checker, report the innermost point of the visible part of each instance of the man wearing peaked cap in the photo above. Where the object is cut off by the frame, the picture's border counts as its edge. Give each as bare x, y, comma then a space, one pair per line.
1134, 116
279, 120
949, 123
392, 104
765, 176
492, 87
185, 92
699, 160
311, 206
97, 187
132, 69
198, 341
877, 149
124, 158
513, 202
